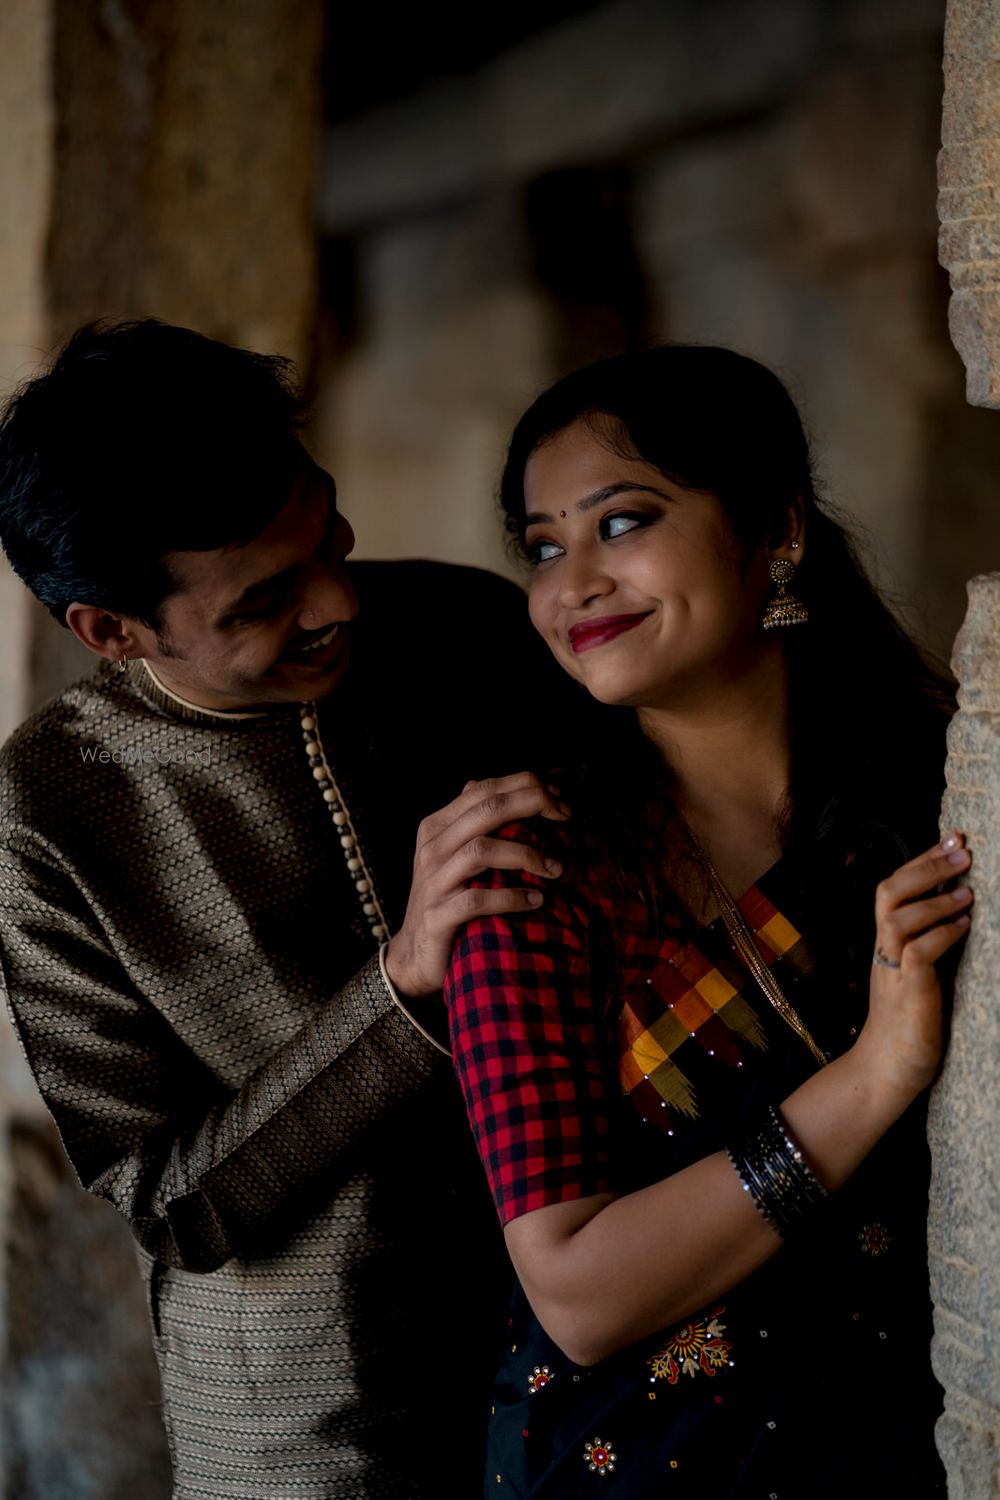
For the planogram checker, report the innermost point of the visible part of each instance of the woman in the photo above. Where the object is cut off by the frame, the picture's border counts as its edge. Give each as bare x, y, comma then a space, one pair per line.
696, 1094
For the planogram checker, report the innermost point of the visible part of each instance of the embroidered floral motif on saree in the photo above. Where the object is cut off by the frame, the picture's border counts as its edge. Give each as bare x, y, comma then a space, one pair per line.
697, 1346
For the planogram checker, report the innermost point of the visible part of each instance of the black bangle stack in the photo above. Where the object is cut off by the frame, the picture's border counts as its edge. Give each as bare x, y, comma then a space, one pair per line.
773, 1171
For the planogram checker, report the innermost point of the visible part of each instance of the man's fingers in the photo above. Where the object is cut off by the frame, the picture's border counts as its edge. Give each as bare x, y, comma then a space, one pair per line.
491, 798
488, 813
476, 902
480, 791
484, 853
504, 798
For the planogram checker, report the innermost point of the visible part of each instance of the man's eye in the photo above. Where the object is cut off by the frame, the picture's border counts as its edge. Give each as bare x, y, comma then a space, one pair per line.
540, 552
620, 524
262, 612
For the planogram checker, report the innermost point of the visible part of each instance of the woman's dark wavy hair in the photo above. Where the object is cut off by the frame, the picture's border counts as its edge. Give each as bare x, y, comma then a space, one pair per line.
141, 439
868, 711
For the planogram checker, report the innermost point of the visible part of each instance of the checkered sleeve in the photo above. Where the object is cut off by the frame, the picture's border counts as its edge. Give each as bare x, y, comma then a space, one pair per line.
525, 1037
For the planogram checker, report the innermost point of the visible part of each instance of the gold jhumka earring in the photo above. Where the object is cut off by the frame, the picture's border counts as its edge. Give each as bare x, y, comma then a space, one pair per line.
784, 608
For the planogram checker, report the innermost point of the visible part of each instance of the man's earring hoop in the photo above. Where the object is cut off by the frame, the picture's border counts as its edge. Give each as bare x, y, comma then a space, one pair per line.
784, 608
123, 663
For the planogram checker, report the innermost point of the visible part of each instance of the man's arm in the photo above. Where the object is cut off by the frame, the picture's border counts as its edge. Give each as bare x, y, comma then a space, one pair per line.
203, 1173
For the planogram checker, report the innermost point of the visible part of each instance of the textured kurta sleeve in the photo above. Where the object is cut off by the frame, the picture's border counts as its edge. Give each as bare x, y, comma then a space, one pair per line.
527, 1050
202, 1173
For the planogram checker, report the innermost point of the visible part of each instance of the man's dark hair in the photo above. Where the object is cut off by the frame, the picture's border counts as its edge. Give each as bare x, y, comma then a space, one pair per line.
142, 439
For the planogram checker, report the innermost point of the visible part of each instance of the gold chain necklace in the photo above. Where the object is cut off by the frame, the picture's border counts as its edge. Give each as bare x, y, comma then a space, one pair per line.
743, 940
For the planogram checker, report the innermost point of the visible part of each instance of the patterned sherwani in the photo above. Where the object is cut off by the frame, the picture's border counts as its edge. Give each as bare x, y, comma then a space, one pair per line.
198, 993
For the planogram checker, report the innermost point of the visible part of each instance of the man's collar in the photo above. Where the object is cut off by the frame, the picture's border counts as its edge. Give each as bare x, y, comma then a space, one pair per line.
144, 678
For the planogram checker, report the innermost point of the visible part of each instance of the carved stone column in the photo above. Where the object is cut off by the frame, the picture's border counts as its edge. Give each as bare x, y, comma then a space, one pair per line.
964, 1125
183, 183
969, 183
964, 1233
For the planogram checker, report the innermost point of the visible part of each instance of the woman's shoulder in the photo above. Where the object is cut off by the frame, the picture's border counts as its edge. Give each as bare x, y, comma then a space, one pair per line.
581, 871
540, 833
554, 841
588, 892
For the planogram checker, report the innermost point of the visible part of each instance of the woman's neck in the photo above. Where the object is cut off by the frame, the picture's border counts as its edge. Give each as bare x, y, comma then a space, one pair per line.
730, 760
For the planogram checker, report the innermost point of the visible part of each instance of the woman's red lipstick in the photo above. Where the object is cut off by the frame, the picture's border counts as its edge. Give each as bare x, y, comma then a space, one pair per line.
604, 628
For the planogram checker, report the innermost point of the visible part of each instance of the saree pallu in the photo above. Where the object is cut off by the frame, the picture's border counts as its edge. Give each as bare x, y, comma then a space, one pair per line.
812, 1378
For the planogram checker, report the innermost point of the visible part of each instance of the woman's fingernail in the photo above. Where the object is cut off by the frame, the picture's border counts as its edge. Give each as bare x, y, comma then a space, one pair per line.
553, 866
964, 921
961, 893
958, 856
950, 841
534, 898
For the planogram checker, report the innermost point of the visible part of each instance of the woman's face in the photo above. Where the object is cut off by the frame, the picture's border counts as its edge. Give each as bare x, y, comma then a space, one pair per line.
639, 586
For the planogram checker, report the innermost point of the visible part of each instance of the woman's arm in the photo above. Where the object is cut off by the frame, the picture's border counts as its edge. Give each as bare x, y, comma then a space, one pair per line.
601, 1272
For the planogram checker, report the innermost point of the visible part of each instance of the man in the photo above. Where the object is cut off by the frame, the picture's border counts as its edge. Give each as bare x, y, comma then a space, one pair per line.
219, 951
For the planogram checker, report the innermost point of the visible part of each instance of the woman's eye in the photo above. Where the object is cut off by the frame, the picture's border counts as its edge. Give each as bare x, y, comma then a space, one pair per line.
620, 524
540, 552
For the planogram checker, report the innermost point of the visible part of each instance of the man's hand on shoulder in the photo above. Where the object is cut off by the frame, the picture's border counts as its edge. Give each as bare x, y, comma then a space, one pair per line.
455, 845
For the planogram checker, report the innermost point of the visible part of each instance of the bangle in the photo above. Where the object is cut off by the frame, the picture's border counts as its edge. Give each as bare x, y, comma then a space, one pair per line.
772, 1169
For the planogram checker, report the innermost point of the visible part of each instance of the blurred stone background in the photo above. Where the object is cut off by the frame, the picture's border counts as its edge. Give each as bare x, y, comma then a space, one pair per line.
435, 212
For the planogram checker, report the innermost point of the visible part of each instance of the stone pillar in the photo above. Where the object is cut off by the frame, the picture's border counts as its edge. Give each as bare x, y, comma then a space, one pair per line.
26, 146
185, 176
156, 158
183, 184
964, 1121
27, 124
964, 1233
969, 183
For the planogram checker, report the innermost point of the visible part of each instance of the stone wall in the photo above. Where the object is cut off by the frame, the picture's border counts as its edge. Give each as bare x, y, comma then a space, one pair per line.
969, 180
964, 1123
27, 120
183, 183
81, 1406
27, 126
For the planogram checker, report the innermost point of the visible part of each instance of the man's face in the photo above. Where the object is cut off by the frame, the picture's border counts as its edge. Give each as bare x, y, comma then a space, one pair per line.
264, 622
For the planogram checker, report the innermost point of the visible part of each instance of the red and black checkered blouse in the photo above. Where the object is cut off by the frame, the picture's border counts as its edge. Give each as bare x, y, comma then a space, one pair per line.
539, 1056
598, 1055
